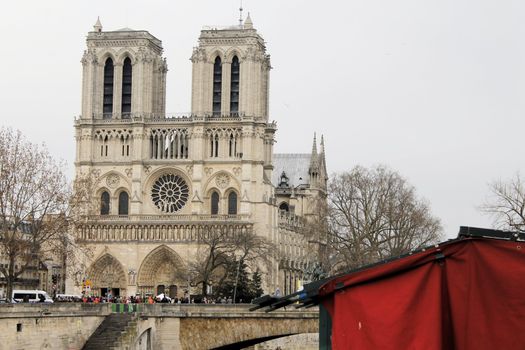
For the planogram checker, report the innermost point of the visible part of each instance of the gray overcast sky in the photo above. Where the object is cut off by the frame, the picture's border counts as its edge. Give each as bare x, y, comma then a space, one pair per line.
431, 88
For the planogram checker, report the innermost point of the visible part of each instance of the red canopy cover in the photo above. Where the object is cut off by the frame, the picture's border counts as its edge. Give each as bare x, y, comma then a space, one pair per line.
465, 294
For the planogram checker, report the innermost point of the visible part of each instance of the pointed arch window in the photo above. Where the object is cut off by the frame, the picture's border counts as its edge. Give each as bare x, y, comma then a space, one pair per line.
107, 108
104, 203
123, 203
234, 86
127, 73
217, 86
284, 207
232, 203
214, 203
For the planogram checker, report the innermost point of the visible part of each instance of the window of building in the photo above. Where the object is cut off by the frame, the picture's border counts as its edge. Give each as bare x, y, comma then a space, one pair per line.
170, 193
108, 89
217, 86
104, 203
284, 207
234, 86
214, 145
232, 203
123, 203
127, 73
214, 203
233, 145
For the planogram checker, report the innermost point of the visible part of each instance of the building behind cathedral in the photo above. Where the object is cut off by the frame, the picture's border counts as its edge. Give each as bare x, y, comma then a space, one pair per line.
161, 180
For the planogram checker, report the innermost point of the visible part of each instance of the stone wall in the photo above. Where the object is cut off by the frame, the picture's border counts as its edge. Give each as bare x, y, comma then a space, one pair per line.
164, 326
308, 341
57, 326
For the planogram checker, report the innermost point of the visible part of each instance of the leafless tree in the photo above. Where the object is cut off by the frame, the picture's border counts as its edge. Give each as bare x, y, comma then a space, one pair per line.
34, 204
220, 251
374, 214
506, 204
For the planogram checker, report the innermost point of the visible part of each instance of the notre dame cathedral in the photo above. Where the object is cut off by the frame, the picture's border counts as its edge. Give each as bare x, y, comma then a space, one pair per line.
160, 180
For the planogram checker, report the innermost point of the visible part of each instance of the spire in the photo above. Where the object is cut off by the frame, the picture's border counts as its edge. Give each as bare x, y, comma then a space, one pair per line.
314, 146
248, 24
322, 144
98, 26
314, 163
240, 14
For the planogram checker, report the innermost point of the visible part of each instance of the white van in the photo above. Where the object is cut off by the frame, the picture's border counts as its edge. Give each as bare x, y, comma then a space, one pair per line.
33, 296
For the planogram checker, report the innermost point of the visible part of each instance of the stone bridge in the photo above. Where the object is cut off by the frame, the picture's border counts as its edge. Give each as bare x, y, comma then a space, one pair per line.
157, 326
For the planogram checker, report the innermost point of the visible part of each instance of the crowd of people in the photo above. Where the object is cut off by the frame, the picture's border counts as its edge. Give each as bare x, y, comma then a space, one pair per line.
147, 299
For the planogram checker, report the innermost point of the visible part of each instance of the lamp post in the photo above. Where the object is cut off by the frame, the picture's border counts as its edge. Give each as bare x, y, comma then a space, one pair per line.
236, 280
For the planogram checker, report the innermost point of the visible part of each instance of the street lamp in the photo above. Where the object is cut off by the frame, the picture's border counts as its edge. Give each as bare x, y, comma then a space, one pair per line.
236, 278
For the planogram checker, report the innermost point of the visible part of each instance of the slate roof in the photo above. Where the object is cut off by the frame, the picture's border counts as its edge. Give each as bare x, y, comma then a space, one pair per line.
295, 165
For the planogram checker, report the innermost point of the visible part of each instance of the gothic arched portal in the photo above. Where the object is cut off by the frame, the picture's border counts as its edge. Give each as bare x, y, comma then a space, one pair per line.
162, 270
107, 275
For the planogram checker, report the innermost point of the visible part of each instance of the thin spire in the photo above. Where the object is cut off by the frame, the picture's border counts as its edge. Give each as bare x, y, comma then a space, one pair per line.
314, 145
322, 144
240, 14
98, 26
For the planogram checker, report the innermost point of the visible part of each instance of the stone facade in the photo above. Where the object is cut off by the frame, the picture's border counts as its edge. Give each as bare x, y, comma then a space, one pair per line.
158, 326
160, 180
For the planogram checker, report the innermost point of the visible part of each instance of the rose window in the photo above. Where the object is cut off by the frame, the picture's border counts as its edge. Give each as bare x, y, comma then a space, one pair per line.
170, 193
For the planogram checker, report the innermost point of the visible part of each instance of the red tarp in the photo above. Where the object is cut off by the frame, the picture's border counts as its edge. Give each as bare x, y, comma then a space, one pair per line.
473, 298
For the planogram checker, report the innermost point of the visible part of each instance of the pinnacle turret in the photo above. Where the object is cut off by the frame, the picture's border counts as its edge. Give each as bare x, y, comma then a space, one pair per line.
314, 146
98, 26
248, 24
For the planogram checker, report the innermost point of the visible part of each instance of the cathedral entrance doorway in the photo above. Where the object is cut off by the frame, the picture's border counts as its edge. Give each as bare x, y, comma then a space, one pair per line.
114, 292
161, 272
173, 291
107, 275
160, 289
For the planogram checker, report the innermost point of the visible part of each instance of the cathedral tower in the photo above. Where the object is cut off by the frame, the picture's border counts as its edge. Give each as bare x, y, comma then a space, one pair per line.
230, 72
124, 74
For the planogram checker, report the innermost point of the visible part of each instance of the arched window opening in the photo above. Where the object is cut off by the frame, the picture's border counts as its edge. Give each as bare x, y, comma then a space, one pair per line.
284, 207
217, 86
214, 145
107, 108
123, 203
233, 145
214, 203
104, 203
234, 86
232, 203
127, 73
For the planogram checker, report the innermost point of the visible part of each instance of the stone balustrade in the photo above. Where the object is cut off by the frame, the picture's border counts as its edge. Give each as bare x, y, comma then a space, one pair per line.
291, 222
155, 232
168, 118
171, 219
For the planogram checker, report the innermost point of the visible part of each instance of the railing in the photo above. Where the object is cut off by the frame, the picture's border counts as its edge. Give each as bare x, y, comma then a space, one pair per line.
182, 232
178, 115
223, 27
290, 221
171, 218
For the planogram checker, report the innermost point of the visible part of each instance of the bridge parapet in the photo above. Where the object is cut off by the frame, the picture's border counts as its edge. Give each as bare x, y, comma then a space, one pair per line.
56, 309
222, 310
164, 326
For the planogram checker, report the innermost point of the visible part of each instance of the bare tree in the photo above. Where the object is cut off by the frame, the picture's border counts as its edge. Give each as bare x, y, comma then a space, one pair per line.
34, 204
506, 204
220, 250
374, 214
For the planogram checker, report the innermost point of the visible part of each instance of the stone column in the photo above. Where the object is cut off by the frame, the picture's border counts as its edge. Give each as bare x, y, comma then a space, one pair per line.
226, 87
117, 90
